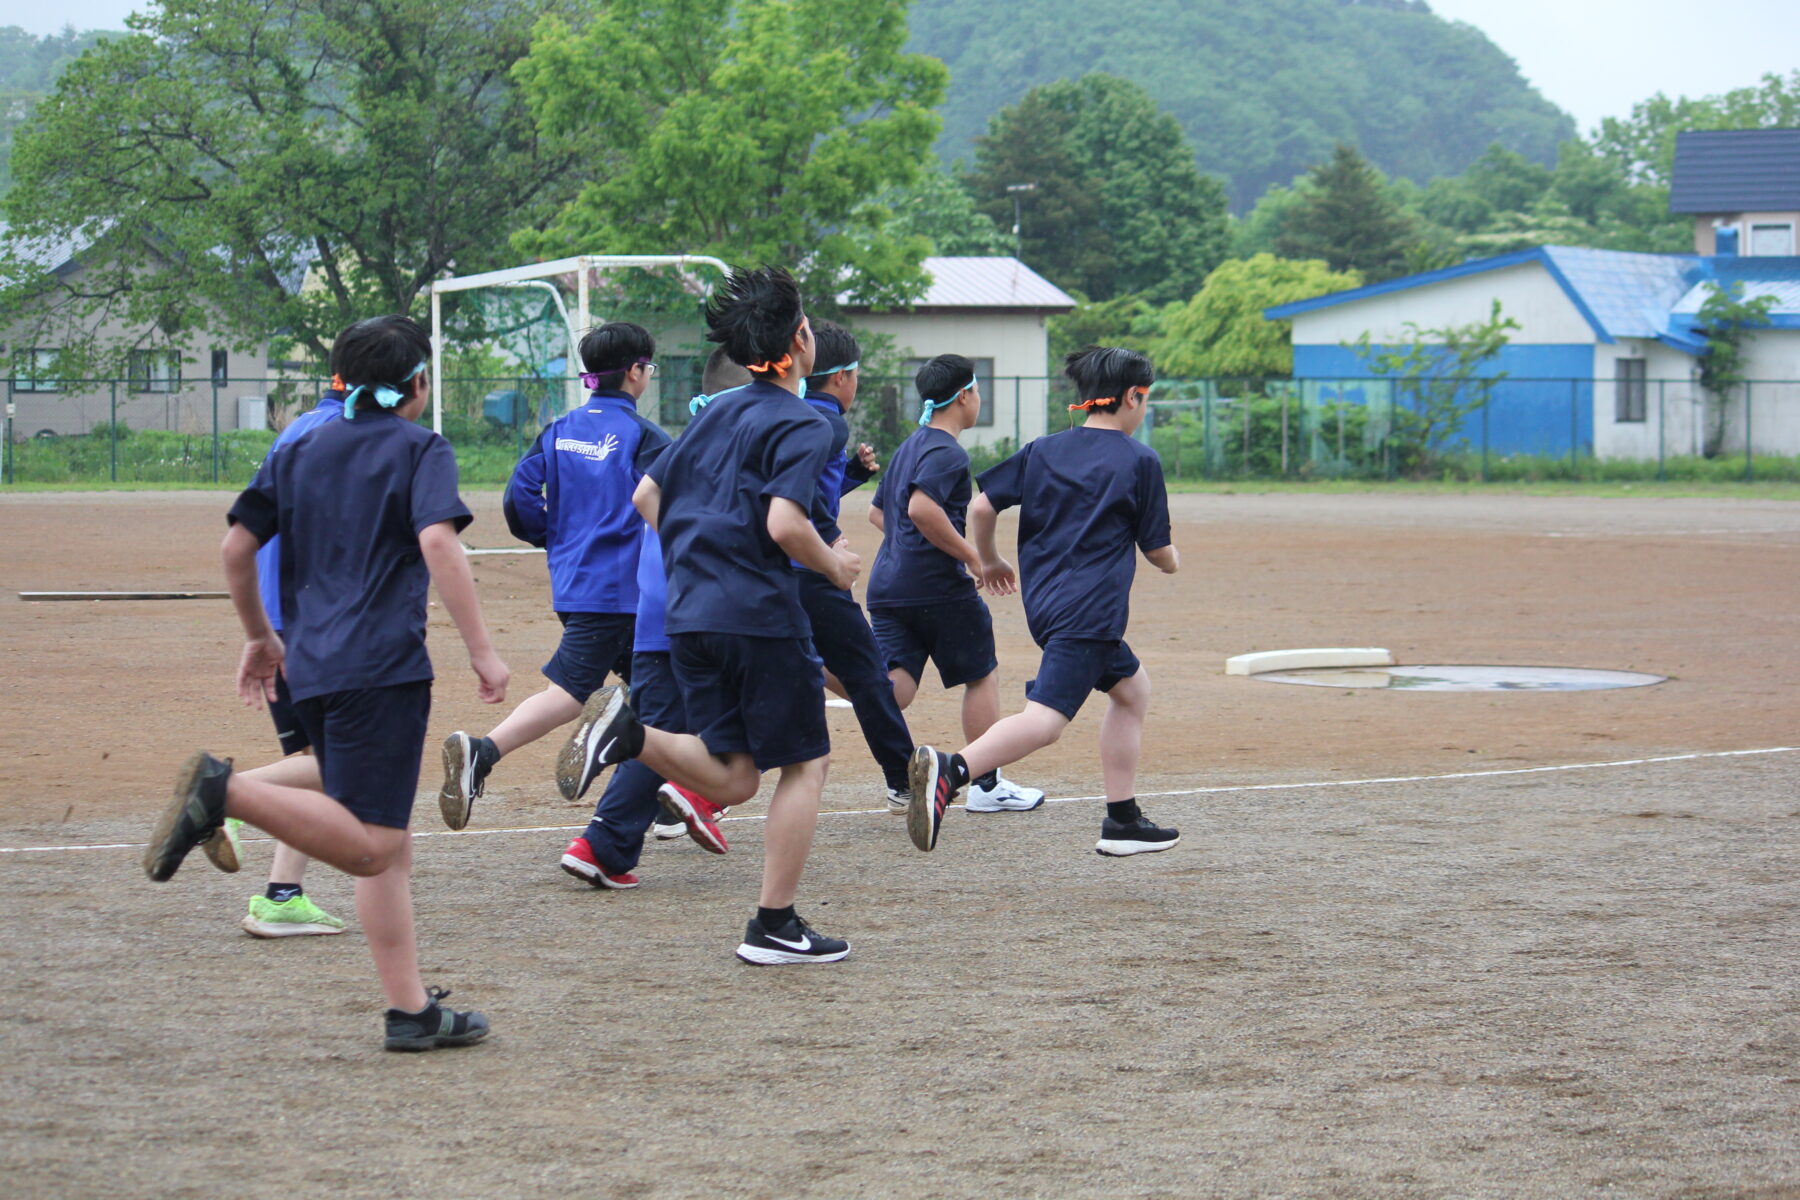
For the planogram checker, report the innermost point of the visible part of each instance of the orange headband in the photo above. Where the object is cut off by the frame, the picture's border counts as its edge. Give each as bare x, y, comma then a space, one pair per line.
779, 365
1091, 403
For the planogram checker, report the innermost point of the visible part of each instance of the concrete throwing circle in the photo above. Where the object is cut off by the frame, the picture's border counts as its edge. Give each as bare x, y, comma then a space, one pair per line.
1464, 679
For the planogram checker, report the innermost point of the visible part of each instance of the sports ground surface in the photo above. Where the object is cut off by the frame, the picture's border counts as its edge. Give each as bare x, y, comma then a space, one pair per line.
1395, 955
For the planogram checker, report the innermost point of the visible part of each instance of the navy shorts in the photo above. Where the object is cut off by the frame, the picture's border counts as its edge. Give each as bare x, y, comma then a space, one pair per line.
755, 695
957, 635
592, 644
655, 697
287, 725
1073, 667
368, 742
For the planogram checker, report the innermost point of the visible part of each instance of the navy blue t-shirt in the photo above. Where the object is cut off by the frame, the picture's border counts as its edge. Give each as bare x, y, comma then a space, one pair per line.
841, 476
1088, 500
726, 574
571, 493
349, 501
908, 569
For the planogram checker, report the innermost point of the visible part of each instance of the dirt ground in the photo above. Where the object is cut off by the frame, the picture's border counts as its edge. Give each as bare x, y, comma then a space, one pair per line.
1539, 983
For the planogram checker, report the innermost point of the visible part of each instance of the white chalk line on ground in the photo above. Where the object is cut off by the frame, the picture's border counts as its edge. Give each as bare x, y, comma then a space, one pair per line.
1200, 791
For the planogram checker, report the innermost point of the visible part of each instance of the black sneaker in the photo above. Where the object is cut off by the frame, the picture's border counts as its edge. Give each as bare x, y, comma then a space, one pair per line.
466, 767
1142, 836
930, 776
608, 732
436, 1026
795, 942
192, 817
667, 826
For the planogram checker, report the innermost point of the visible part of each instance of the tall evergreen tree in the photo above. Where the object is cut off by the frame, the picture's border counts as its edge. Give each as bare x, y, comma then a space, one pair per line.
1348, 220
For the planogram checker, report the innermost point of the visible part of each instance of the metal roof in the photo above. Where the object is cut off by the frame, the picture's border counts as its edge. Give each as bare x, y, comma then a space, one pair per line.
1736, 170
998, 283
1776, 277
47, 255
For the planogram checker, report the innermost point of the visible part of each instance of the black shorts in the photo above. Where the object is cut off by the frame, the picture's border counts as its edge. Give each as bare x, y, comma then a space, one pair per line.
957, 635
368, 742
287, 725
755, 695
1071, 668
592, 644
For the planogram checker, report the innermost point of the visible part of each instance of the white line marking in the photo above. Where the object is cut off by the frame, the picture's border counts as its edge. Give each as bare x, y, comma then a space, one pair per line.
1203, 791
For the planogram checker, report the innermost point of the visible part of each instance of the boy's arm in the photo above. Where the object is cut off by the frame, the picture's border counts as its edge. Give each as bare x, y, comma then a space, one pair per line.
449, 566
263, 651
648, 500
876, 519
1165, 559
527, 513
860, 468
933, 523
794, 532
992, 570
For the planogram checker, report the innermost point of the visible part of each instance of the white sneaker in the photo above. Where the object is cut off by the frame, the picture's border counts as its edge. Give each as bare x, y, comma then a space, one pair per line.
899, 800
1004, 796
667, 828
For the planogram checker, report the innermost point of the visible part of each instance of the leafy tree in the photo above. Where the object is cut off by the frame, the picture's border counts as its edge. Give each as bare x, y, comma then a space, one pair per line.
1726, 318
754, 130
1119, 206
1643, 145
1221, 331
1441, 377
1129, 321
227, 152
939, 209
28, 67
1347, 219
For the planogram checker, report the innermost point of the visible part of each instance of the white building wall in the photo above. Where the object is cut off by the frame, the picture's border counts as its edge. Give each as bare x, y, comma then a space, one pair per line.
1017, 342
1527, 294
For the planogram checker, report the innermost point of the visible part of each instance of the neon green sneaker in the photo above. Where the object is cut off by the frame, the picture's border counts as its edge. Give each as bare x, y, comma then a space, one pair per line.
298, 917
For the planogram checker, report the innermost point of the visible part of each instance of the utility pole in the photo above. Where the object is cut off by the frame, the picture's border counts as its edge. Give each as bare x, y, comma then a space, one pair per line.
1017, 191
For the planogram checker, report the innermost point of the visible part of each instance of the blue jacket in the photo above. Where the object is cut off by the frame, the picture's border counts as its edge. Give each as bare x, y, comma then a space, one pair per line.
571, 494
268, 559
842, 475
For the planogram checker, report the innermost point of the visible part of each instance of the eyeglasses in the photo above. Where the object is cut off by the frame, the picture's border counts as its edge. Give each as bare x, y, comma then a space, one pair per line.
649, 369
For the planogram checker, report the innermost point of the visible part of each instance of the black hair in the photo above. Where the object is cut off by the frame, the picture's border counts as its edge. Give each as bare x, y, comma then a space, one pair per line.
836, 348
753, 315
615, 347
379, 351
943, 377
721, 374
1108, 371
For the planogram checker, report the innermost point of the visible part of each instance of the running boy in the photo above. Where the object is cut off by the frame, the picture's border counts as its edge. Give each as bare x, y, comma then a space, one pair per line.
922, 597
369, 516
1086, 496
729, 501
840, 633
571, 494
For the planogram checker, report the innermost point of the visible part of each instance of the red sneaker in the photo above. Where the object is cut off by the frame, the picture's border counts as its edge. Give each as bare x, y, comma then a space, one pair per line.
700, 815
579, 861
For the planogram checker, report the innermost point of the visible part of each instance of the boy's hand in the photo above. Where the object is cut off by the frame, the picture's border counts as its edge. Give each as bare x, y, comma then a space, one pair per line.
493, 676
997, 577
865, 454
258, 667
849, 565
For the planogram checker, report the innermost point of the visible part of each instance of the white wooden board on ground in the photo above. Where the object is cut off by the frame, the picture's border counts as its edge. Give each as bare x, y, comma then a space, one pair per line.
1295, 660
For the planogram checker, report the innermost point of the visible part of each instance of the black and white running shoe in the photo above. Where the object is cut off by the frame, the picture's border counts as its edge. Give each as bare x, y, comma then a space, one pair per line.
607, 733
933, 789
1142, 836
465, 774
795, 942
667, 827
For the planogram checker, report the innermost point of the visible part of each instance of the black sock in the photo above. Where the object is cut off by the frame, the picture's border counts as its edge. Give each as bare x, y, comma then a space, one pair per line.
990, 781
1124, 811
774, 918
281, 893
486, 753
959, 771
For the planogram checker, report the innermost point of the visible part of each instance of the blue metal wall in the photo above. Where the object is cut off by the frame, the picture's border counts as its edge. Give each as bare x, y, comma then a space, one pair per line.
1544, 406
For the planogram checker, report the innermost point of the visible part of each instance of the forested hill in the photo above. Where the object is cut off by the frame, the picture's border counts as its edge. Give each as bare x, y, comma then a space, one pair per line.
1264, 88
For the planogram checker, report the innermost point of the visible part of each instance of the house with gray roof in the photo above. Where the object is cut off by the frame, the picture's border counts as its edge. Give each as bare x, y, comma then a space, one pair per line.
1742, 187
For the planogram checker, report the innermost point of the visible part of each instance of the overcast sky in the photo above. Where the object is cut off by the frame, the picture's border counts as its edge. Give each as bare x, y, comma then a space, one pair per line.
1595, 58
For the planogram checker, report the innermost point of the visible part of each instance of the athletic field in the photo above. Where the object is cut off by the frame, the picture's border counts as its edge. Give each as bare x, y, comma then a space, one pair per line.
1411, 945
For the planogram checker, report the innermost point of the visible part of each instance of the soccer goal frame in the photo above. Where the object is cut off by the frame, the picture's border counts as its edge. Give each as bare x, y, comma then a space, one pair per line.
534, 275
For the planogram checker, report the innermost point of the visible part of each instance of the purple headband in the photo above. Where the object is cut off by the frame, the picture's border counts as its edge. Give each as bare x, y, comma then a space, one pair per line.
591, 379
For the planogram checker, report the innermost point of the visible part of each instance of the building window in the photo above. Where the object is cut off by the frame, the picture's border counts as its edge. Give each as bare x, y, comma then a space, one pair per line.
1630, 389
221, 366
984, 375
31, 371
154, 370
1772, 240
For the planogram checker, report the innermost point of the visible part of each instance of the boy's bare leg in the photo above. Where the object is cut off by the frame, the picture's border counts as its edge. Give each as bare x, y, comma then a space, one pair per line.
905, 687
384, 902
788, 836
682, 757
314, 824
980, 706
288, 865
1122, 735
298, 771
1012, 738
537, 716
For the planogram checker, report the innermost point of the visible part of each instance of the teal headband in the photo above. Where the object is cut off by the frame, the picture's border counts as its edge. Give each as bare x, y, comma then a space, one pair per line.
932, 406
700, 402
384, 395
835, 370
